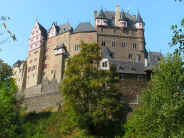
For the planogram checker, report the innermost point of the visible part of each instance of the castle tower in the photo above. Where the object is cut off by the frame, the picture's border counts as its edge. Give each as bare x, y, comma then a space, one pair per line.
123, 20
139, 23
35, 55
101, 19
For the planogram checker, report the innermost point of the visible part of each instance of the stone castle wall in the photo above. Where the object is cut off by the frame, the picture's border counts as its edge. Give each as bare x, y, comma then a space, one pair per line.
47, 96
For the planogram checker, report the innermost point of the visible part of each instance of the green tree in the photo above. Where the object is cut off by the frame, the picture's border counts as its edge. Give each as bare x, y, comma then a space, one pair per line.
161, 113
92, 101
178, 37
10, 119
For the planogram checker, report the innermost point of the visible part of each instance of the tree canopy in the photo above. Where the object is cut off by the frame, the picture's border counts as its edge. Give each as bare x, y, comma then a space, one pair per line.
92, 101
160, 114
10, 119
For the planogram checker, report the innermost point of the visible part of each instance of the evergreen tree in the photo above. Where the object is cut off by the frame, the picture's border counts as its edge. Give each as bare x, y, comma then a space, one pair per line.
92, 101
161, 113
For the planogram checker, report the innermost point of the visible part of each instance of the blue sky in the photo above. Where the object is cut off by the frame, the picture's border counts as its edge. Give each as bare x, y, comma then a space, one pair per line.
158, 15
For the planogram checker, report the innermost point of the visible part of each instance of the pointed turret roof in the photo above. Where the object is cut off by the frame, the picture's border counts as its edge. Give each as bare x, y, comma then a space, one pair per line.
101, 15
139, 18
123, 16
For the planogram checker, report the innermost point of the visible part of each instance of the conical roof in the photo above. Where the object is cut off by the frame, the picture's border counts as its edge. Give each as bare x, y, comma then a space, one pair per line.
101, 15
139, 18
123, 16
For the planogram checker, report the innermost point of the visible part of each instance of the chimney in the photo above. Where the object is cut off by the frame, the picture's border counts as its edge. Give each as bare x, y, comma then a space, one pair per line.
95, 15
117, 15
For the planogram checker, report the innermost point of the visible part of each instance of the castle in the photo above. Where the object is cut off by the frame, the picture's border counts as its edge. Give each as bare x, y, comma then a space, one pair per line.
120, 35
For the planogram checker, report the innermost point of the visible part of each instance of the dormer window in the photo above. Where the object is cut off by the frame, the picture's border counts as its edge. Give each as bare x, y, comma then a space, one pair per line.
104, 64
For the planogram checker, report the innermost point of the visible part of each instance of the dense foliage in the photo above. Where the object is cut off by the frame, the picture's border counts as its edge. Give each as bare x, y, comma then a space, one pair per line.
92, 101
10, 120
161, 113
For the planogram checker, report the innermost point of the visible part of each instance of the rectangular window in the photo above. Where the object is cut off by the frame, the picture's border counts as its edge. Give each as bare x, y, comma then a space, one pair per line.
113, 44
134, 45
123, 44
76, 47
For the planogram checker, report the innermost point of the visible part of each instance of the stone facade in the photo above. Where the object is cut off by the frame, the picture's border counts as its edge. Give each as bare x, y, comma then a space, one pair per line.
120, 35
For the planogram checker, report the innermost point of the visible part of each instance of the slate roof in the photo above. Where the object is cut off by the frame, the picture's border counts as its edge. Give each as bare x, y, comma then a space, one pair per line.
43, 30
128, 67
59, 46
154, 57
101, 15
65, 28
153, 60
123, 16
106, 53
110, 15
84, 27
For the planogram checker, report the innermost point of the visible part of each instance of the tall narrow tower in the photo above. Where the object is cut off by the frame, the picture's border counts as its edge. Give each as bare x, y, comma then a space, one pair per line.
36, 54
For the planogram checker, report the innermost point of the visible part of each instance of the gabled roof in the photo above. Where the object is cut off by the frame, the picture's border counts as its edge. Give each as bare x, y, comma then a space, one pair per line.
84, 27
56, 27
42, 29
